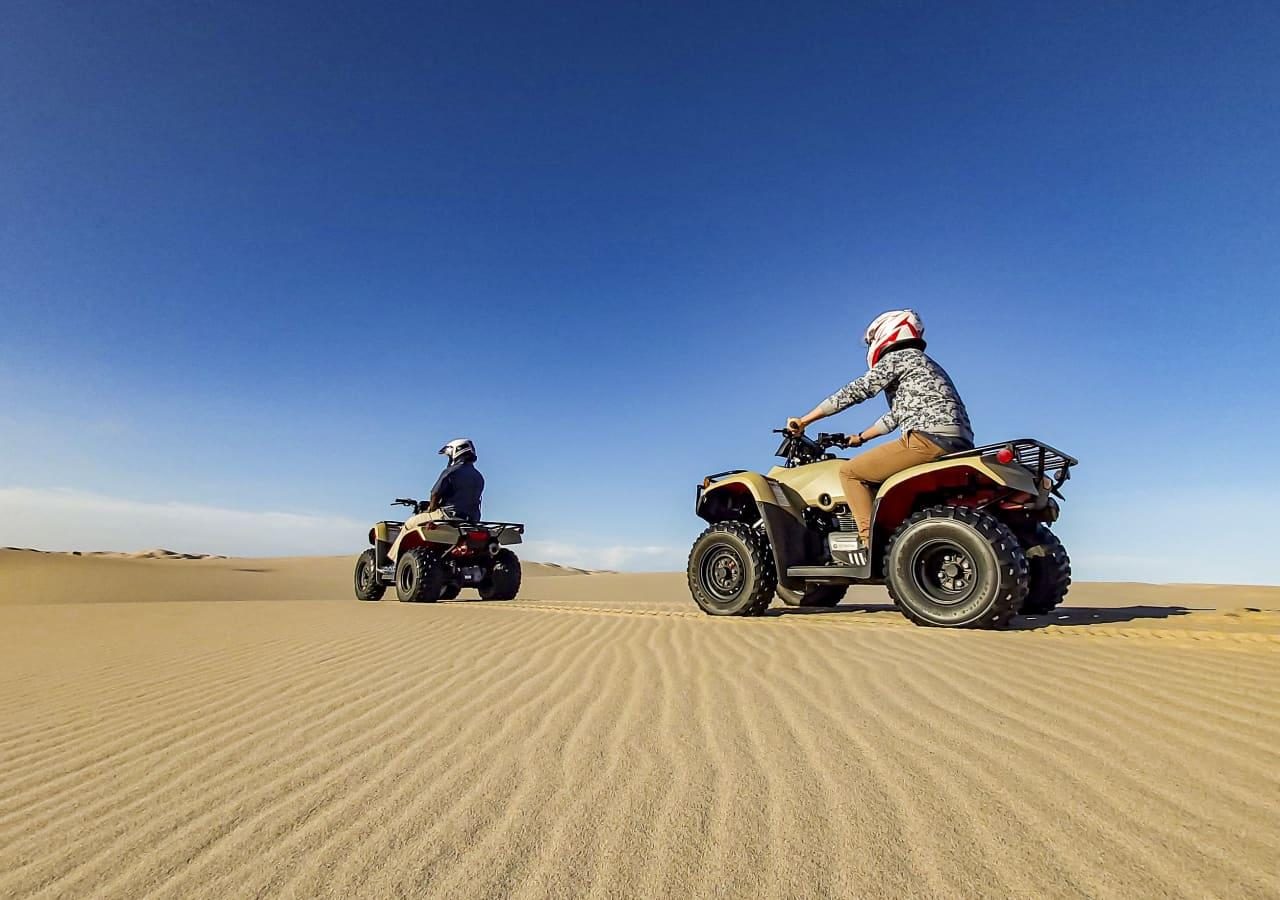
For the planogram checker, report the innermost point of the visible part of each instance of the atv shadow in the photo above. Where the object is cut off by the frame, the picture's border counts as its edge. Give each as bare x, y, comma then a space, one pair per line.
831, 610
1097, 615
1067, 616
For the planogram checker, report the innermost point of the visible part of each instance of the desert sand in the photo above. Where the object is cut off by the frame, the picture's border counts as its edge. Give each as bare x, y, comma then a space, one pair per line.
244, 727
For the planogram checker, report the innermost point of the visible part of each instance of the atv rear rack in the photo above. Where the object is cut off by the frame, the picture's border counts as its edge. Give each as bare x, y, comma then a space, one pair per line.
1039, 458
515, 526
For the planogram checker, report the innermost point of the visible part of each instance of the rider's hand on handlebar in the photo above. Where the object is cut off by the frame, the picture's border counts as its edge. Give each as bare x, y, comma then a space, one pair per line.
855, 440
795, 426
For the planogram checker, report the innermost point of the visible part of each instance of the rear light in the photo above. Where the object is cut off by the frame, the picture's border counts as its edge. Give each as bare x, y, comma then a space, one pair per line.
479, 536
1004, 455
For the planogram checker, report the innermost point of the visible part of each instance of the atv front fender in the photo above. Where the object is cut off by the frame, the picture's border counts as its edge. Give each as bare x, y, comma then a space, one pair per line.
752, 498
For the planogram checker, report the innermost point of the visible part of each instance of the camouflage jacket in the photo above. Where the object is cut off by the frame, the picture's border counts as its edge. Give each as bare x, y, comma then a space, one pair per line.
920, 394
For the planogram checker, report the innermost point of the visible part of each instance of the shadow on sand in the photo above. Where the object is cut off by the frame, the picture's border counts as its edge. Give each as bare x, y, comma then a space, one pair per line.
1065, 616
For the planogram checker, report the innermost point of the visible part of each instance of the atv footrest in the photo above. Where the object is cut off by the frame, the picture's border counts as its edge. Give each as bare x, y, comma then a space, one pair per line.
835, 574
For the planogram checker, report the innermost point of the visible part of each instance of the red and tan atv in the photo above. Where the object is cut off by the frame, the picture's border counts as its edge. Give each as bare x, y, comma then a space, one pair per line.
433, 561
963, 541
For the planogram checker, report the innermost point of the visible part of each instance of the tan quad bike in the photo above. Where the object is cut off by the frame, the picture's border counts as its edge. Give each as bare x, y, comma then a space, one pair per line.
436, 560
963, 541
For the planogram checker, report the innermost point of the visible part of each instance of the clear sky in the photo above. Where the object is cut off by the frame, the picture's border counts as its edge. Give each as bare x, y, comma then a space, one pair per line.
264, 258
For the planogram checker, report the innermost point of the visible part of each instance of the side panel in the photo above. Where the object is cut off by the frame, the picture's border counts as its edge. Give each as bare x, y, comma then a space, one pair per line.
811, 482
788, 537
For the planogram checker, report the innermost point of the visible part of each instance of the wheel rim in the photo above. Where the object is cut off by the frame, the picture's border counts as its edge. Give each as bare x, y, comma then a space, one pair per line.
723, 573
406, 579
945, 571
365, 577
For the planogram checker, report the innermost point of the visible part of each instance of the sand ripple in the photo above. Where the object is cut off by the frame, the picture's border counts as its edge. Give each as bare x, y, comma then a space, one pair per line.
602, 739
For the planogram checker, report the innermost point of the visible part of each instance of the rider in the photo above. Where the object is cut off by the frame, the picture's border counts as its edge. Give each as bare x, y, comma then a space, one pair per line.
456, 494
922, 401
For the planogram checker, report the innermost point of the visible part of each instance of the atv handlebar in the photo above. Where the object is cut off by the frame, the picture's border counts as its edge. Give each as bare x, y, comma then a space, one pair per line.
824, 440
404, 501
799, 449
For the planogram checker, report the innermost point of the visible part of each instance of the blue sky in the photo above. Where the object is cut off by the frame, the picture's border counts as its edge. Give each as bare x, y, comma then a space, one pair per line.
264, 258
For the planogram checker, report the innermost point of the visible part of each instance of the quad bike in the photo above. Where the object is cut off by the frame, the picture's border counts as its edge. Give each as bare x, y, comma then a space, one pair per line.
436, 560
963, 541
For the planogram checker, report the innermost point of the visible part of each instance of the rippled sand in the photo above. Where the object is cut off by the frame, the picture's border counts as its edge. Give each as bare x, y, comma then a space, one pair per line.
225, 728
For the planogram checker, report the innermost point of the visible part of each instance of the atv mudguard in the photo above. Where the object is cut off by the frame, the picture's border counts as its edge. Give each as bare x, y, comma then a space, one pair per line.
440, 532
896, 497
751, 497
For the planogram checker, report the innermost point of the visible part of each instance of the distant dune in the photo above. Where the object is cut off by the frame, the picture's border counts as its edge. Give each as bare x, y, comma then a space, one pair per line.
178, 726
151, 576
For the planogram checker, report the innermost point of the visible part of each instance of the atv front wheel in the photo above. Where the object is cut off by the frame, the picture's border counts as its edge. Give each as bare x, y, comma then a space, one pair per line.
451, 591
368, 587
956, 567
503, 582
1050, 570
813, 595
731, 571
419, 578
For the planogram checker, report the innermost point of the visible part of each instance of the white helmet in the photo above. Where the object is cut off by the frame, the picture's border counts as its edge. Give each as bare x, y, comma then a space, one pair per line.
458, 450
890, 328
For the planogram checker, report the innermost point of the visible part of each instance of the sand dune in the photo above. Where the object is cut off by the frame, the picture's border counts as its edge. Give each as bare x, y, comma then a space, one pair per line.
152, 576
171, 728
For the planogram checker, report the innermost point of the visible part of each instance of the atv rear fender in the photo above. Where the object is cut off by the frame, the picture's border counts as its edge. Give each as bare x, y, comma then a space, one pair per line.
751, 498
897, 497
446, 533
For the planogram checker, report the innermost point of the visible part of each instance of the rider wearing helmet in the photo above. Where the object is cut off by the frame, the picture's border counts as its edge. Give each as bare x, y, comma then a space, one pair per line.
456, 494
922, 401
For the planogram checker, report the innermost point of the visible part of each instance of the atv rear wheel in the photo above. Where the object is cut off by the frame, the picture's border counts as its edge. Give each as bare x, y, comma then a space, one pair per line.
451, 591
419, 578
814, 595
503, 582
1049, 570
368, 587
956, 567
731, 571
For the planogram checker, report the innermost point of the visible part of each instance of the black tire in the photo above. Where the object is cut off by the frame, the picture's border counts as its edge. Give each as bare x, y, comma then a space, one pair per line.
827, 595
451, 591
731, 571
368, 587
419, 578
956, 567
503, 582
1049, 569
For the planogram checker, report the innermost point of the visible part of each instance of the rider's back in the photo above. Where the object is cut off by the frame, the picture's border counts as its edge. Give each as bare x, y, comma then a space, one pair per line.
459, 488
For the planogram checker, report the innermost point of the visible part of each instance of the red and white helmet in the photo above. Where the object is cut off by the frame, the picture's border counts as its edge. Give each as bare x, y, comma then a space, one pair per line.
890, 328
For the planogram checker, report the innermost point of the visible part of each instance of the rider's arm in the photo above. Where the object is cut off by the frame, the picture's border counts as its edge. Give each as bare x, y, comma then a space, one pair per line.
438, 492
882, 426
877, 378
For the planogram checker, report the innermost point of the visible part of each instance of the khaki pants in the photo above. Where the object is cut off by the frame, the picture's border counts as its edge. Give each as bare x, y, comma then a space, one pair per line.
413, 522
862, 473
435, 515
